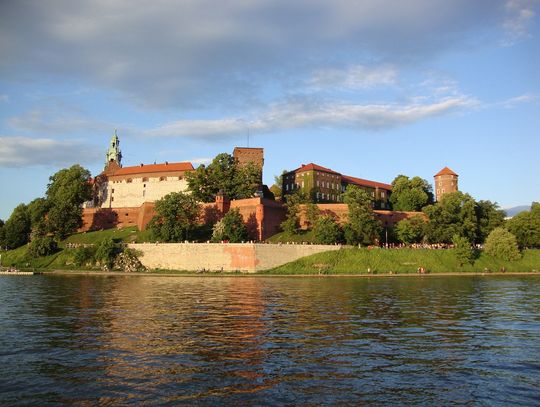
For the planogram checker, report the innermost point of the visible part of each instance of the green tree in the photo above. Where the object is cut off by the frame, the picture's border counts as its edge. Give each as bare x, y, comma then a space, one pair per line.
526, 226
2, 235
176, 215
230, 228
67, 190
292, 204
502, 244
489, 217
463, 250
312, 214
454, 214
106, 252
37, 209
326, 230
83, 255
410, 194
411, 230
42, 246
17, 228
362, 226
278, 185
224, 174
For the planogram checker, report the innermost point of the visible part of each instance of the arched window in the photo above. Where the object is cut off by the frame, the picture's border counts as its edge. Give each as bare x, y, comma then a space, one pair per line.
129, 180
145, 179
162, 178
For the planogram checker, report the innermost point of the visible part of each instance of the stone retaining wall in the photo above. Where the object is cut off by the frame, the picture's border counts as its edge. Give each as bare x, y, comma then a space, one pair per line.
248, 257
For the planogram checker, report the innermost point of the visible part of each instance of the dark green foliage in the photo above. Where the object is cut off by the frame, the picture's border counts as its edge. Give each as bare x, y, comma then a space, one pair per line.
84, 255
327, 231
526, 227
2, 235
226, 175
362, 226
42, 246
17, 228
410, 194
37, 210
502, 244
411, 230
230, 228
106, 252
463, 250
489, 217
176, 215
454, 214
67, 190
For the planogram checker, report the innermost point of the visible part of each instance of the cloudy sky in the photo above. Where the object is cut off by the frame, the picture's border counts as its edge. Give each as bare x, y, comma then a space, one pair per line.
370, 88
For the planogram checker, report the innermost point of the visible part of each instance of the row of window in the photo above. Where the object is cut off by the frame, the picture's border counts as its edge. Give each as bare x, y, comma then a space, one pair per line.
145, 179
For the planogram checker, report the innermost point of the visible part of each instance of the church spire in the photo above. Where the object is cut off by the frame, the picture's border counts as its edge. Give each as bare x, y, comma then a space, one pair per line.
113, 153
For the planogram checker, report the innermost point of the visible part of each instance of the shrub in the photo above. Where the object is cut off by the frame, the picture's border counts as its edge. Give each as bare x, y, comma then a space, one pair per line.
106, 252
84, 255
42, 246
502, 244
326, 230
411, 230
231, 228
463, 250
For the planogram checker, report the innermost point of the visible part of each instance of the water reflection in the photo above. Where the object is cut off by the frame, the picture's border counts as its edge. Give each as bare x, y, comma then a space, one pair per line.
151, 340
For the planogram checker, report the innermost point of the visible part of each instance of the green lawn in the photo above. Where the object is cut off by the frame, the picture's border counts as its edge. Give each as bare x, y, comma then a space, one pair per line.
301, 236
358, 261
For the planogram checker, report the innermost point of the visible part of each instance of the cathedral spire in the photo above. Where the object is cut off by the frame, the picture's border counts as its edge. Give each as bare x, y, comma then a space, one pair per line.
113, 153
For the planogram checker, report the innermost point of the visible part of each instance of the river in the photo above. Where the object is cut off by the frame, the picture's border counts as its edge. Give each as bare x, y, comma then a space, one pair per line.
124, 340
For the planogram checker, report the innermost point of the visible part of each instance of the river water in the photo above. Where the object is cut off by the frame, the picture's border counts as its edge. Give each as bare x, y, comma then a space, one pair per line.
90, 340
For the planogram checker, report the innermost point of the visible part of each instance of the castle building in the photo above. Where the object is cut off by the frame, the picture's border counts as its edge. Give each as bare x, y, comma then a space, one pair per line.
325, 185
446, 181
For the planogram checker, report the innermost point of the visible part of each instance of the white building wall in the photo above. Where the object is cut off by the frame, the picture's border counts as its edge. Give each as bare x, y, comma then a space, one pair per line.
133, 194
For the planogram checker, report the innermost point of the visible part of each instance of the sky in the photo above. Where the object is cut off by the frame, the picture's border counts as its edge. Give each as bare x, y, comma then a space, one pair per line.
369, 88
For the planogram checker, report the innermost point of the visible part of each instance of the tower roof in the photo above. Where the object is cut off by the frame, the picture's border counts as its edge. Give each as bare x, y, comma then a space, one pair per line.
446, 171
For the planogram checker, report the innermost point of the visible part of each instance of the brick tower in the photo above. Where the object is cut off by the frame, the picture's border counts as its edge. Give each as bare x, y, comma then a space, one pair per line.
446, 181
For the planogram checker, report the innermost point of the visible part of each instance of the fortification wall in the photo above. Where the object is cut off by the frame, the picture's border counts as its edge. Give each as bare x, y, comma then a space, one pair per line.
247, 257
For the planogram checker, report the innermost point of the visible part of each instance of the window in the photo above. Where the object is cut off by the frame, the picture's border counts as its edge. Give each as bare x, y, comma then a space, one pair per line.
129, 180
382, 194
180, 178
162, 178
145, 179
112, 191
286, 187
317, 182
144, 193
318, 194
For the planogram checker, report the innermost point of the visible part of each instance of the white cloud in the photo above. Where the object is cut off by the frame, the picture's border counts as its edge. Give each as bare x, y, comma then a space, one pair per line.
354, 77
25, 151
517, 100
198, 161
519, 15
305, 114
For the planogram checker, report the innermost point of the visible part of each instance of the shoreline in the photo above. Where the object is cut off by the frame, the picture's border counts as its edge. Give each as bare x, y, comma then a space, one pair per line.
273, 275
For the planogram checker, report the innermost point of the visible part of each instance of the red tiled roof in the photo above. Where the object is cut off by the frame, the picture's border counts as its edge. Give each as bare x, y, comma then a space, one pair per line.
311, 166
366, 183
148, 168
446, 171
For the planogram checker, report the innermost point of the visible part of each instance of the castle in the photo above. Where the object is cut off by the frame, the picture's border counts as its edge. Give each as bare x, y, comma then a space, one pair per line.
126, 196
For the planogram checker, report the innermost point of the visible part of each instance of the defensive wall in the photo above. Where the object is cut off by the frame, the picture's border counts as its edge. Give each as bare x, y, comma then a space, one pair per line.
246, 257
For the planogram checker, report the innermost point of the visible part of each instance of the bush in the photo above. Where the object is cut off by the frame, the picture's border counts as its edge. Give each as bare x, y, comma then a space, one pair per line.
42, 246
84, 255
106, 252
327, 231
502, 244
411, 230
231, 228
463, 250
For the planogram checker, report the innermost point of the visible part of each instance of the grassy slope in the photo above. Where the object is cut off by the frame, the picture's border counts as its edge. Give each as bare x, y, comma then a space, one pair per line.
357, 261
301, 236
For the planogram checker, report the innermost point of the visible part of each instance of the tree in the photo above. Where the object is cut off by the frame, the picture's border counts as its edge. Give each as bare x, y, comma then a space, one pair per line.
176, 215
67, 190
489, 217
17, 228
312, 214
526, 226
463, 250
410, 194
453, 215
224, 174
411, 230
42, 246
37, 210
326, 230
106, 252
293, 202
2, 235
230, 228
362, 226
278, 185
502, 244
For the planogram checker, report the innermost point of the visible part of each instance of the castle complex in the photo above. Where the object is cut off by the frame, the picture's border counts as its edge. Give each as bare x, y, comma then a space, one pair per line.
125, 196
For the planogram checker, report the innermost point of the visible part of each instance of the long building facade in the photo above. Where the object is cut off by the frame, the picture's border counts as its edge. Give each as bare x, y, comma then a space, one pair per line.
325, 185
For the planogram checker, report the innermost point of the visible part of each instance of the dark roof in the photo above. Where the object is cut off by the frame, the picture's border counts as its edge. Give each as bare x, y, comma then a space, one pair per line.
365, 182
311, 166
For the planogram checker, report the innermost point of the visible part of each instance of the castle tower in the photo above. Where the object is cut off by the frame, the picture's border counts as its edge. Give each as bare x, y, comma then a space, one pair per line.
254, 155
113, 153
446, 181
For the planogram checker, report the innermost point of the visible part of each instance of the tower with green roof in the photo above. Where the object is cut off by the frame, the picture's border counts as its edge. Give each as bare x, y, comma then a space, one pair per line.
113, 153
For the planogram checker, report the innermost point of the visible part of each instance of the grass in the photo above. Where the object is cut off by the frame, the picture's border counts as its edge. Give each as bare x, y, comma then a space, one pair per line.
127, 235
359, 261
301, 236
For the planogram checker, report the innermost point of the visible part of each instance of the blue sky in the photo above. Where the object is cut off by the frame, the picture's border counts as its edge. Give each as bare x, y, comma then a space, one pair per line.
371, 88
